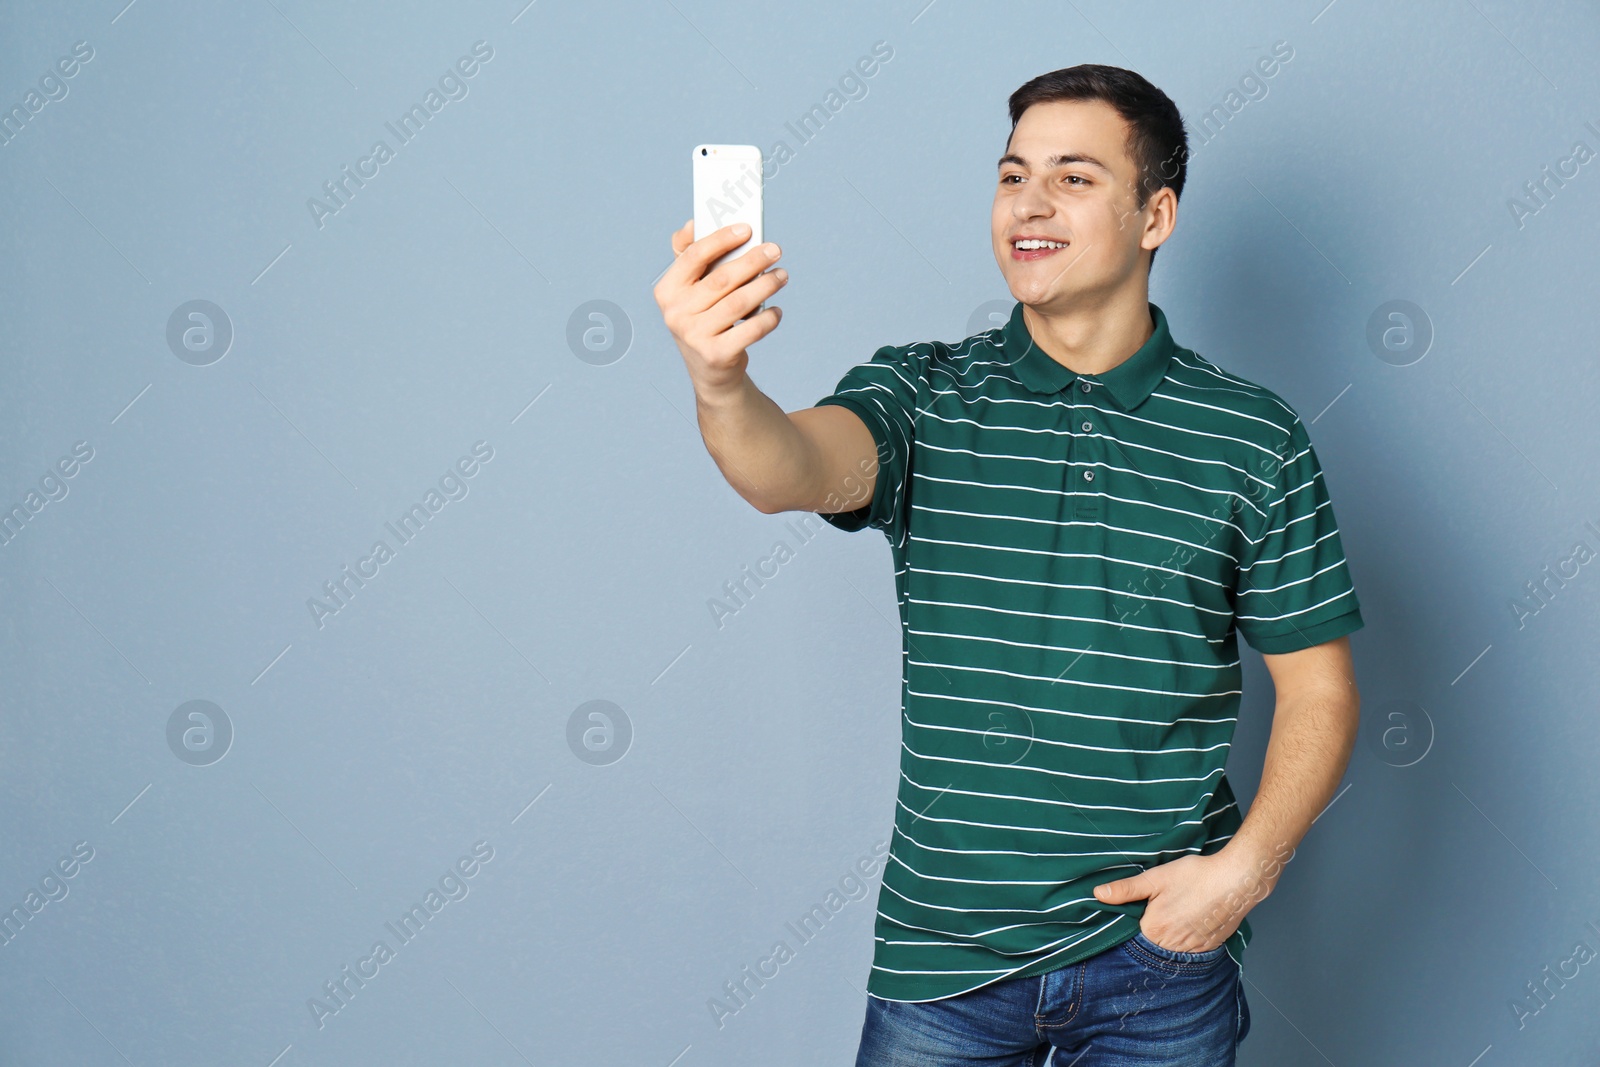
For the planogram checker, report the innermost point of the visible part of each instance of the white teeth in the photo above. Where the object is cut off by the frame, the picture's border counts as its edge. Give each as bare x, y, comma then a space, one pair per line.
1031, 245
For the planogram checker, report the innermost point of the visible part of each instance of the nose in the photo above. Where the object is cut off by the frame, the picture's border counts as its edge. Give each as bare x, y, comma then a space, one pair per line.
1030, 203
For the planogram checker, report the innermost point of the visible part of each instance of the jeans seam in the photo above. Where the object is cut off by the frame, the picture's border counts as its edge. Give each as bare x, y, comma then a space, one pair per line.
1178, 956
1168, 965
1238, 1023
1238, 1010
1072, 1008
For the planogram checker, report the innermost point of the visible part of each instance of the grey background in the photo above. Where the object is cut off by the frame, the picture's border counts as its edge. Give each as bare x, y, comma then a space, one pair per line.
432, 311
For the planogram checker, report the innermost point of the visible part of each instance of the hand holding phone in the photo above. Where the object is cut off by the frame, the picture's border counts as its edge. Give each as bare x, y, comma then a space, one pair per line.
714, 322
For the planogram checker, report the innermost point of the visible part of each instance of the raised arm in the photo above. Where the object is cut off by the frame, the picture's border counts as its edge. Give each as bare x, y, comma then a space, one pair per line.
814, 459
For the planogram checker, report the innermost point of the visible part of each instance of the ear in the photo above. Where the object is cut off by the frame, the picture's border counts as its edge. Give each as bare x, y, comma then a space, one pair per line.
1160, 216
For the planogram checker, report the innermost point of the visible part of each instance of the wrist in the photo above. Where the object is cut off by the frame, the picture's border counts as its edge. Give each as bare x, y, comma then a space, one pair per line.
1255, 866
723, 392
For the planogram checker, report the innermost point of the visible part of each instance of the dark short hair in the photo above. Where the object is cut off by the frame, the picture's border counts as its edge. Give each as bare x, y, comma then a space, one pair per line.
1157, 141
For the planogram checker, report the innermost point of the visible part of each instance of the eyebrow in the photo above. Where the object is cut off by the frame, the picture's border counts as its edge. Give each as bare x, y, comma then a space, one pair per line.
1058, 160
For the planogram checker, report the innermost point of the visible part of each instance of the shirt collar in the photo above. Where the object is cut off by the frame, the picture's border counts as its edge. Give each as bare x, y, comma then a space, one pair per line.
1129, 382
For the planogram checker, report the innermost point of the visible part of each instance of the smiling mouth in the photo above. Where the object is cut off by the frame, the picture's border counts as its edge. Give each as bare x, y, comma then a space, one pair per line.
1033, 248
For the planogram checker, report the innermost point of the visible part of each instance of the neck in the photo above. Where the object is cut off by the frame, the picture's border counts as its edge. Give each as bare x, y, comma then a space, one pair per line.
1092, 338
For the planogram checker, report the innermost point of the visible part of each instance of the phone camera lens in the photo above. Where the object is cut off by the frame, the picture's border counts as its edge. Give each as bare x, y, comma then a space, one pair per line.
702, 151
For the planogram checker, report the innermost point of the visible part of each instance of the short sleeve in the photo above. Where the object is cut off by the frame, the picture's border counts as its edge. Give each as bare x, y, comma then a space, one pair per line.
1294, 588
883, 392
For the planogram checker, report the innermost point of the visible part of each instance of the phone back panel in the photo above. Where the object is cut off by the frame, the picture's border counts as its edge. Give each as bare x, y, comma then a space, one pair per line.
727, 189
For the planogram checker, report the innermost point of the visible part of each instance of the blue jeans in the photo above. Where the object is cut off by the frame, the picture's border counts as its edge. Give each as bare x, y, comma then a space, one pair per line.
1134, 1003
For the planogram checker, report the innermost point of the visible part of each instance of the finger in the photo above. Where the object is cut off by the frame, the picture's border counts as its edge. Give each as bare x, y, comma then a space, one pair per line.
726, 278
683, 237
691, 264
680, 241
755, 327
745, 299
668, 285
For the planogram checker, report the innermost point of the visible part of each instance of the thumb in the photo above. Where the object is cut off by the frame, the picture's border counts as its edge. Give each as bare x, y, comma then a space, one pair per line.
1123, 890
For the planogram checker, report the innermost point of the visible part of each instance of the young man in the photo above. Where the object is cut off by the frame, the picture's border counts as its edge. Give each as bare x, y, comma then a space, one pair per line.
1082, 515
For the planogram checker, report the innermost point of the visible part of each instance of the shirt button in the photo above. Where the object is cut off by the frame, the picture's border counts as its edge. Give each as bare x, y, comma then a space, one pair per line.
1086, 387
1088, 426
1088, 476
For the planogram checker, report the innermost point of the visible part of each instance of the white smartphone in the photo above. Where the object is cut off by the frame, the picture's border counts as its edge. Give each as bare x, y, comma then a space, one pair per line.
727, 189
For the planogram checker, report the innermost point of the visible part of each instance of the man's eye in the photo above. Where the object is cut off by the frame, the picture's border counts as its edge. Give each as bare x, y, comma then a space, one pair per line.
1077, 178
1008, 177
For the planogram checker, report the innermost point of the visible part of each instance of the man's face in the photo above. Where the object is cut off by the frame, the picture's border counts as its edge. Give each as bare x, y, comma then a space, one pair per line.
1066, 178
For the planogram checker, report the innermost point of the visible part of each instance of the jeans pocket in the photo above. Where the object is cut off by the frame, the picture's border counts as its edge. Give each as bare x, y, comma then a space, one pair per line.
1170, 960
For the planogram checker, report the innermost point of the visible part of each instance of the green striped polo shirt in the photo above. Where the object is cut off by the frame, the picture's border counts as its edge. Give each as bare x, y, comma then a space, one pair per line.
1073, 555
